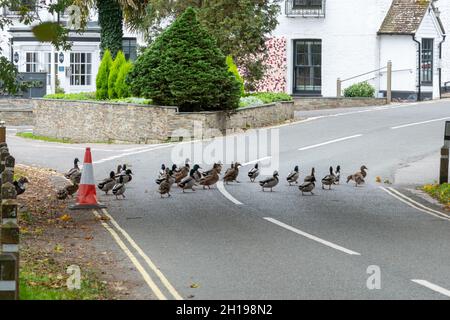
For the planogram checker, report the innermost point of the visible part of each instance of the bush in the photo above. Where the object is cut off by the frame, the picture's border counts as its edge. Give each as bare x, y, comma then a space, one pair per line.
250, 101
270, 97
72, 96
184, 67
121, 87
102, 76
360, 90
113, 73
232, 67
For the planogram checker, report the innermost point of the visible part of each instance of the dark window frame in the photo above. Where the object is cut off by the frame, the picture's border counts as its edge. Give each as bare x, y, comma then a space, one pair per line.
309, 68
427, 62
307, 4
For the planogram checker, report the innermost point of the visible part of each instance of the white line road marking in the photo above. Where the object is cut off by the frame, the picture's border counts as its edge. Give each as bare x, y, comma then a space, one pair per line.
147, 260
330, 142
133, 259
256, 161
224, 192
419, 123
432, 286
311, 237
427, 211
418, 203
132, 153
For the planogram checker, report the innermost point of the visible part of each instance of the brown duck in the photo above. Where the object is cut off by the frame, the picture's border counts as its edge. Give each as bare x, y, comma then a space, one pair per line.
211, 179
232, 173
358, 177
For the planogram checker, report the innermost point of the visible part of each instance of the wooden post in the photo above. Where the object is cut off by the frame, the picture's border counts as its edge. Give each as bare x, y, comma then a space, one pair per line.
443, 172
338, 88
2, 131
9, 230
389, 82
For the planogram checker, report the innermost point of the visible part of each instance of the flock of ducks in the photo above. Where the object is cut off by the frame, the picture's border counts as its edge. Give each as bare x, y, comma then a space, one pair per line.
187, 178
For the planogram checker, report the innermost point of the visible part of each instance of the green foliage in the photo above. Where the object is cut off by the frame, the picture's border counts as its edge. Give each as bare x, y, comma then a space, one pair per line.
232, 67
270, 97
439, 192
185, 68
121, 87
362, 90
240, 27
9, 78
110, 19
113, 73
72, 96
250, 101
103, 75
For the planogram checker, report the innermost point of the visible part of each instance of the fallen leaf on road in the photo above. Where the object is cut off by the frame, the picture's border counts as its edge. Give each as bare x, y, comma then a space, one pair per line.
194, 286
65, 218
378, 179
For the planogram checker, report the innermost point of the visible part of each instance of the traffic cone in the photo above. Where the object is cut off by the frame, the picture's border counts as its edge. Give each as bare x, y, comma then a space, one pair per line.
87, 195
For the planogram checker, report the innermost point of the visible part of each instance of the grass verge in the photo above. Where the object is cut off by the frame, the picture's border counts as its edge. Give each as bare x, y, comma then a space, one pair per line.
439, 192
30, 135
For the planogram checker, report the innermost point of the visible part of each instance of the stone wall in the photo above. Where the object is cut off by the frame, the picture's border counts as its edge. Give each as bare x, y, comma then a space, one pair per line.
17, 112
302, 104
81, 121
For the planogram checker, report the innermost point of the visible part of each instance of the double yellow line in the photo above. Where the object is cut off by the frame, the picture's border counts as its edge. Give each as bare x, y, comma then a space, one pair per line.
147, 278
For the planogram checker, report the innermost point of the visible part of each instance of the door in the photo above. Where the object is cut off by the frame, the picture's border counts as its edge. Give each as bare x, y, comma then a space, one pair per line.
308, 67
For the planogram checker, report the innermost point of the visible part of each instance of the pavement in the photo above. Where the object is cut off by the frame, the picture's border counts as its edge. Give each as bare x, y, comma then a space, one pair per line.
237, 242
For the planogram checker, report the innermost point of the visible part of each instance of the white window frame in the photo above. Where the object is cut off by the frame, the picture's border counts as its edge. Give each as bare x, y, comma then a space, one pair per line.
76, 66
33, 63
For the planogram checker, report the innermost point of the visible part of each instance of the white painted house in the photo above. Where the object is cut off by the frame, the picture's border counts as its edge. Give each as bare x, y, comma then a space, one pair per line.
319, 41
74, 70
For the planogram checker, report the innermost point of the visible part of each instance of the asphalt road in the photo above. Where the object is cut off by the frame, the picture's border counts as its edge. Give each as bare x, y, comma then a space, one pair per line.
243, 243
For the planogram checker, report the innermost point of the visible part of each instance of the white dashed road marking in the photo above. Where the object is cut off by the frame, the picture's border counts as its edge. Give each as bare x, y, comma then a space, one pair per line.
432, 286
330, 142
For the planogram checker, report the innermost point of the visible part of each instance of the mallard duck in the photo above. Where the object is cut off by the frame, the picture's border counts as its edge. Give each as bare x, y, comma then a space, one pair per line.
309, 184
211, 179
162, 171
74, 170
119, 188
166, 185
20, 185
127, 176
358, 177
183, 173
216, 167
329, 179
119, 171
254, 173
293, 176
270, 183
189, 182
232, 173
312, 176
338, 175
198, 175
68, 190
108, 184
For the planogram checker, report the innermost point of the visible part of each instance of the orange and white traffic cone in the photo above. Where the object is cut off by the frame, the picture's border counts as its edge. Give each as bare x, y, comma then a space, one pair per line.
87, 195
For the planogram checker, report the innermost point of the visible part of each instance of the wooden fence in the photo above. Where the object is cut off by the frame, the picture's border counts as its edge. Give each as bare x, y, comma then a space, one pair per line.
9, 229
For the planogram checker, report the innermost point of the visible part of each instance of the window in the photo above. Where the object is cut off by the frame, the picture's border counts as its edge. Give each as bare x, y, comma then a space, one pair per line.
308, 67
427, 62
48, 66
17, 6
307, 4
129, 49
32, 61
81, 68
305, 8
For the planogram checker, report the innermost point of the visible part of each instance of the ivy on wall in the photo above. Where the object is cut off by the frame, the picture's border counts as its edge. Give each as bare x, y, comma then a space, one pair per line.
110, 18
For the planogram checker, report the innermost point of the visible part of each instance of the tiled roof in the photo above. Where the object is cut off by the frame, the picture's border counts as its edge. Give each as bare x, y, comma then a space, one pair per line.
404, 17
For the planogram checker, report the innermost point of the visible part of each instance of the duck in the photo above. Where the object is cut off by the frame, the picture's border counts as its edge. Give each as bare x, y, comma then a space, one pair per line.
74, 170
293, 176
329, 179
167, 173
216, 167
309, 184
67, 191
270, 183
254, 173
189, 182
211, 179
126, 176
108, 184
119, 171
232, 173
338, 175
162, 171
20, 185
358, 177
182, 173
119, 188
198, 175
166, 185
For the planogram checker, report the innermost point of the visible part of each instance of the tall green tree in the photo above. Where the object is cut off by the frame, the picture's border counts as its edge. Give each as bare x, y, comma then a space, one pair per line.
184, 67
114, 73
103, 76
241, 27
110, 19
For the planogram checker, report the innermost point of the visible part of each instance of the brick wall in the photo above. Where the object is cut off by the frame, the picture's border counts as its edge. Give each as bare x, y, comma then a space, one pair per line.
302, 104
